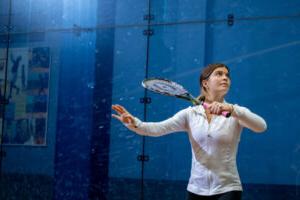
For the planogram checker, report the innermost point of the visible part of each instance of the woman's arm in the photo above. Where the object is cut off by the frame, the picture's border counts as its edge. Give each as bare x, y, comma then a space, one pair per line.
176, 123
249, 119
245, 117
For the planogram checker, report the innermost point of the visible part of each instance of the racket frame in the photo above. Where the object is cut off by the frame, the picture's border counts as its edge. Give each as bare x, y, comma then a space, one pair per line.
186, 96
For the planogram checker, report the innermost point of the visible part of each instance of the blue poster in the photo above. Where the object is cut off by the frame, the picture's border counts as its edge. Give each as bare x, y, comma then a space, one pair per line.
26, 93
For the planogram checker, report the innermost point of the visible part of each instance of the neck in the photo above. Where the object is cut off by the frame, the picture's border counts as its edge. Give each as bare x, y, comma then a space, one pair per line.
211, 98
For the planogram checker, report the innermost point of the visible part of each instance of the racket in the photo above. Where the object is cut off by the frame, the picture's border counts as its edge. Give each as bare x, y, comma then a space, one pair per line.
170, 88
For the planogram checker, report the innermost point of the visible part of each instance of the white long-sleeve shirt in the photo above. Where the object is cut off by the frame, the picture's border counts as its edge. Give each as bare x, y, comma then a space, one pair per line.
214, 145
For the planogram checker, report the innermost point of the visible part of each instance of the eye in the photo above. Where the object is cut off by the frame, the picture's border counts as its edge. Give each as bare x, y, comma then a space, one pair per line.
219, 73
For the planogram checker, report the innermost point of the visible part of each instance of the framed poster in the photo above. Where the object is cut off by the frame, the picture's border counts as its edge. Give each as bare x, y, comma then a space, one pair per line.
27, 92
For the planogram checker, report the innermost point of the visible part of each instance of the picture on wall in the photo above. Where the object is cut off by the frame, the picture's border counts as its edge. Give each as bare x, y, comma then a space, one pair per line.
27, 91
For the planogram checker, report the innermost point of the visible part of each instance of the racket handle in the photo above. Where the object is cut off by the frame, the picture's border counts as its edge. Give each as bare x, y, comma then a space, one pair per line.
224, 113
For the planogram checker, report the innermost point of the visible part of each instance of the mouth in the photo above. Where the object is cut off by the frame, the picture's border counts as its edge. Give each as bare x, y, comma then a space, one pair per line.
224, 84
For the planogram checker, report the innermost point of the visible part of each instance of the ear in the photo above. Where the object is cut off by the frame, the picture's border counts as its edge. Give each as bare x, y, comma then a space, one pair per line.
204, 83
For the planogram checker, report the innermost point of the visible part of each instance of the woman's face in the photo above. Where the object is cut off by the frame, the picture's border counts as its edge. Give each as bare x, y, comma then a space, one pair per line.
218, 82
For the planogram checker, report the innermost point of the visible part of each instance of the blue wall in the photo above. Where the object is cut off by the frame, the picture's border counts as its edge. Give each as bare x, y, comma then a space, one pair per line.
100, 55
262, 54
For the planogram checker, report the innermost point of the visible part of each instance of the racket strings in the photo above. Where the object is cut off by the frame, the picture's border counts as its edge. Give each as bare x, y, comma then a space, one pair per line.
165, 87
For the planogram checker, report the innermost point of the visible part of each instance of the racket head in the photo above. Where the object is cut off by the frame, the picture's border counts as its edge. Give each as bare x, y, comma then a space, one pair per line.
164, 86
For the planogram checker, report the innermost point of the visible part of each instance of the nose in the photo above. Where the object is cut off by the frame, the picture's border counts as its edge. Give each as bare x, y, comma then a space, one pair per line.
225, 77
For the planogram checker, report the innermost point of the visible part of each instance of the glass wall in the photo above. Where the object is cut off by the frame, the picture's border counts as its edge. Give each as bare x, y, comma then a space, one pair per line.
64, 63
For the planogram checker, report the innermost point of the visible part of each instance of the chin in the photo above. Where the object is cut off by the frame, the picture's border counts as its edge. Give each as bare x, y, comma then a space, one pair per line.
223, 92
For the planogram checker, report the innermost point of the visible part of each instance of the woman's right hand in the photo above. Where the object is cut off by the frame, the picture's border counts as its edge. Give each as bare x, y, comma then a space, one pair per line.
123, 115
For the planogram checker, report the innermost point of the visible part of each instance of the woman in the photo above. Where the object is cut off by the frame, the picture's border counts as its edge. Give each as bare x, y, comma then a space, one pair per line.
214, 139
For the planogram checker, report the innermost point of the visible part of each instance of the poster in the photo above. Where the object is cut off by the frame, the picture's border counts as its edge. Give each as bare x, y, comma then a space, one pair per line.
26, 94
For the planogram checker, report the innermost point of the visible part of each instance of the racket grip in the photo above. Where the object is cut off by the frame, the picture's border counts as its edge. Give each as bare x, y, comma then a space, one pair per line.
224, 113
